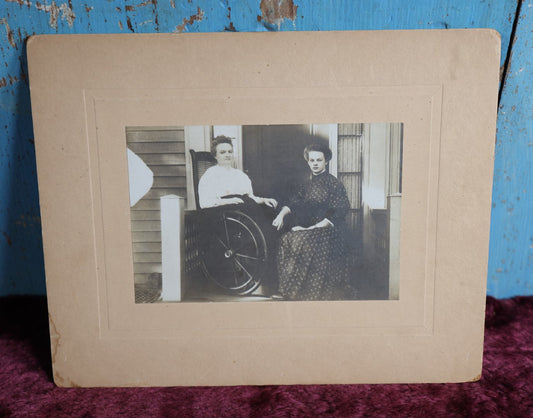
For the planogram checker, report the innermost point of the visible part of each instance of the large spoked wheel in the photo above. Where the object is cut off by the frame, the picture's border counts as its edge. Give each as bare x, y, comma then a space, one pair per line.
235, 253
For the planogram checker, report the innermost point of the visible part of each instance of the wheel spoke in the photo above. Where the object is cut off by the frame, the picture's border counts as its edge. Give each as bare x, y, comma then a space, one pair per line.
243, 268
222, 242
247, 256
226, 229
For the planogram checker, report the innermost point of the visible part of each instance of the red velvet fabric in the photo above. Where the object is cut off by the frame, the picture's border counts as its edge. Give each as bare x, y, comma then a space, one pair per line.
505, 389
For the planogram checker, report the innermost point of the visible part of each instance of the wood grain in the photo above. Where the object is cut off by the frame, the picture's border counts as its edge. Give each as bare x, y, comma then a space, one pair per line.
21, 253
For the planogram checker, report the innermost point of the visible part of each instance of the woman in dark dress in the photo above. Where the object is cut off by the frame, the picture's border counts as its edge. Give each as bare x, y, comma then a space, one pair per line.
312, 254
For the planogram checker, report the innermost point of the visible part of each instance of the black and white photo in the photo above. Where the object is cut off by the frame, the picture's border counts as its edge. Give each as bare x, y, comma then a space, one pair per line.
304, 212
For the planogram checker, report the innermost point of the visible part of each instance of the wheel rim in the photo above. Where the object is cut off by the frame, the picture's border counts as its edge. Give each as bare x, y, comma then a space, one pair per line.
235, 255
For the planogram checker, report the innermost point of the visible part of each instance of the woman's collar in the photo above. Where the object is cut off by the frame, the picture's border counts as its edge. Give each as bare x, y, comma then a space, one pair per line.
318, 174
224, 167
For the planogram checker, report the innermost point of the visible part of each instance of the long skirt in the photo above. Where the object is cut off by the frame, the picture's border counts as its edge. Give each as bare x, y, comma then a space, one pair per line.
312, 264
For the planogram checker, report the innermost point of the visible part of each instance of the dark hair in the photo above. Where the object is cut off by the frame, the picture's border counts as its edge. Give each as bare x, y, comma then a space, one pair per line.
220, 139
324, 149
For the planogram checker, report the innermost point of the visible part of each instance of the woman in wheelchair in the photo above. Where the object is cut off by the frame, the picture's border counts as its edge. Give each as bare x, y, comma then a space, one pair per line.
224, 185
237, 241
312, 254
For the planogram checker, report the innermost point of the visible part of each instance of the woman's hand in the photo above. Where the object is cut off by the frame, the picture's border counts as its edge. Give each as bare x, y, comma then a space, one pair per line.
231, 200
324, 223
265, 201
278, 220
273, 203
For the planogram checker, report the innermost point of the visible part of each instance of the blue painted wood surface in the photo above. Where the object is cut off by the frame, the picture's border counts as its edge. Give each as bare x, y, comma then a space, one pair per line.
511, 240
21, 260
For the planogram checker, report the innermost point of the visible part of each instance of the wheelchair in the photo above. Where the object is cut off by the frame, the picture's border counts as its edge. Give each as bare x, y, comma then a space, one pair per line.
232, 248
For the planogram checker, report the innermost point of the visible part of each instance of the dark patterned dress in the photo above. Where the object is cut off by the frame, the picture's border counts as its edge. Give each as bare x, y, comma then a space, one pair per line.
312, 265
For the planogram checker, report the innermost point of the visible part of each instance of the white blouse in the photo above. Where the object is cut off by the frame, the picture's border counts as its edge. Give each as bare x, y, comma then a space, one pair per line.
220, 181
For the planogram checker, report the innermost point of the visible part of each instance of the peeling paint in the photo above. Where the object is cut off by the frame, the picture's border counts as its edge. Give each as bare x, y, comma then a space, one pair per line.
148, 2
20, 2
143, 4
197, 17
9, 242
9, 33
11, 80
66, 13
275, 11
130, 26
514, 144
230, 28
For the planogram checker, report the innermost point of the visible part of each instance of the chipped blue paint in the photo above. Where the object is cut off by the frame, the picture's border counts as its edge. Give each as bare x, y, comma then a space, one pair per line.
21, 260
511, 239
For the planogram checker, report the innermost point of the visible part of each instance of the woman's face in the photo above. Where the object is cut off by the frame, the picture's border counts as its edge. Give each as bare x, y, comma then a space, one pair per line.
224, 155
316, 161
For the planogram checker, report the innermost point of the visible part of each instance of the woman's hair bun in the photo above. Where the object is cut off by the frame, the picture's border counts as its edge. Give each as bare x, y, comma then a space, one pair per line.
220, 139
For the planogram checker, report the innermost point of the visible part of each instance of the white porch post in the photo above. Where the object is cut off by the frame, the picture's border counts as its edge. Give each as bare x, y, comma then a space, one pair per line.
172, 247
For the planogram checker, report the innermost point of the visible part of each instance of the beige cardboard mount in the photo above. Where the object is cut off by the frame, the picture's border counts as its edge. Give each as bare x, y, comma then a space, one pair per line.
86, 89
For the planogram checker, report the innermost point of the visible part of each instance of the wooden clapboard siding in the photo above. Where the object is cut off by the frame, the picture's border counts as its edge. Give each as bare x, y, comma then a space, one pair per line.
162, 159
147, 247
148, 268
156, 134
167, 147
144, 278
170, 182
179, 190
144, 215
163, 151
147, 204
143, 236
146, 226
168, 170
145, 257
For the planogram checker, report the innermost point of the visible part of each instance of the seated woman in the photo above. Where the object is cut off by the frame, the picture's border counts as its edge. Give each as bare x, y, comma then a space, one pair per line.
224, 185
312, 255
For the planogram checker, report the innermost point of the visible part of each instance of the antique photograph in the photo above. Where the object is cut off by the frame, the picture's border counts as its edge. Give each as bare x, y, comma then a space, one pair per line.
293, 195
307, 212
